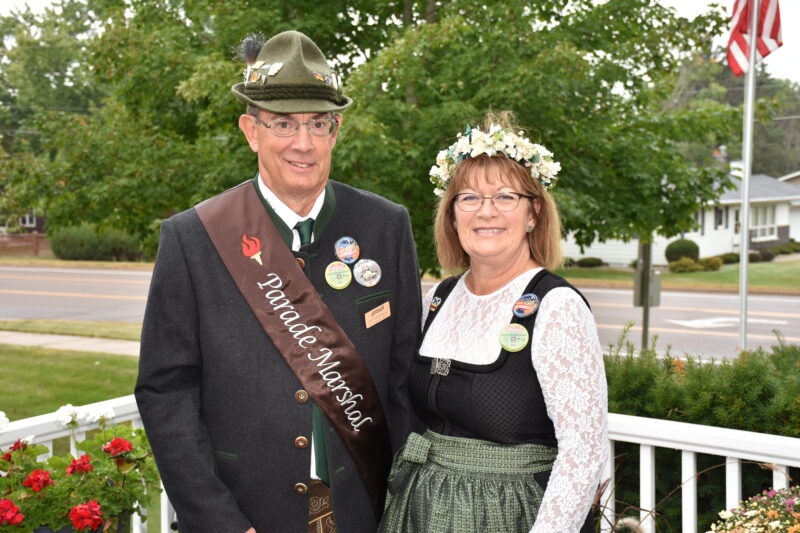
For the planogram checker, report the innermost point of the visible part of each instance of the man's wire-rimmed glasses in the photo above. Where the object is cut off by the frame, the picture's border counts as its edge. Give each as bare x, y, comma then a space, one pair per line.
288, 126
470, 202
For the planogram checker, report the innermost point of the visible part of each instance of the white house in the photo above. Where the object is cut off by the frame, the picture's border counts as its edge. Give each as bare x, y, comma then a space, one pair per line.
774, 219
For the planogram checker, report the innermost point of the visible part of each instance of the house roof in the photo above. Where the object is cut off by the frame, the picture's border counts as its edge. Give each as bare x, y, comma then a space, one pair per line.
789, 176
762, 188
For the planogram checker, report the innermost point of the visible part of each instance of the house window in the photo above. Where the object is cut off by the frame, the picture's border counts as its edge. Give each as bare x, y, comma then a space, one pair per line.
28, 220
700, 218
736, 224
762, 223
719, 216
727, 216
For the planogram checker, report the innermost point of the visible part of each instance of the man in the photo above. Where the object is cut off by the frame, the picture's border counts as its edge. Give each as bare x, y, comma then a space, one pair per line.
282, 318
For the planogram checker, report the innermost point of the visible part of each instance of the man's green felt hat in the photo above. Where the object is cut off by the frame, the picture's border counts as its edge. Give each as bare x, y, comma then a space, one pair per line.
291, 75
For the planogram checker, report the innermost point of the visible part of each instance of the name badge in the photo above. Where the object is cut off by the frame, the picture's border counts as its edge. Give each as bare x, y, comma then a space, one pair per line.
380, 313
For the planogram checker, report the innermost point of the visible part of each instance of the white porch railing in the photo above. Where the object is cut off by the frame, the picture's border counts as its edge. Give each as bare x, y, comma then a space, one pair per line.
649, 433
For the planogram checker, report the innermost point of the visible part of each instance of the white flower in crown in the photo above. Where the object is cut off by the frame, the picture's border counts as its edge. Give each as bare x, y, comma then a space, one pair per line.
98, 414
475, 142
4, 421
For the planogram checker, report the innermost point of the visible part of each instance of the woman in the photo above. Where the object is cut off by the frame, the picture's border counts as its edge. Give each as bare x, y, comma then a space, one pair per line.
509, 378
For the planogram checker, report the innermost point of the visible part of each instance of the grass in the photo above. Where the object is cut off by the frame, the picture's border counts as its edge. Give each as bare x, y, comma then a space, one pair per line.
107, 330
48, 262
40, 380
763, 277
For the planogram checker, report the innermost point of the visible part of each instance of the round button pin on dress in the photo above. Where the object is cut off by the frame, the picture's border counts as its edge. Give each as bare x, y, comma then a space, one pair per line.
513, 337
338, 275
367, 272
526, 305
347, 250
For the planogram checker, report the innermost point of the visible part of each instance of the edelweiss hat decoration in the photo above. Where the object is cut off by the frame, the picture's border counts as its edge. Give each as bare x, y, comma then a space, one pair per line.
497, 140
288, 74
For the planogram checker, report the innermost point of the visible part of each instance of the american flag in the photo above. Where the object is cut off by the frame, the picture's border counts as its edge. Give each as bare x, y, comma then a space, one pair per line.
769, 33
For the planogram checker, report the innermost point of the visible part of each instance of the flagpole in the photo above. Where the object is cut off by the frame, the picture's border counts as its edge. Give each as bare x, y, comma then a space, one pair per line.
747, 155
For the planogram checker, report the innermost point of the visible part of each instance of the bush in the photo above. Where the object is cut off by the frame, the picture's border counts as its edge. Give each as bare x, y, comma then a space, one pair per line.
711, 263
729, 258
685, 264
767, 254
759, 391
681, 248
85, 243
589, 262
569, 262
788, 248
755, 257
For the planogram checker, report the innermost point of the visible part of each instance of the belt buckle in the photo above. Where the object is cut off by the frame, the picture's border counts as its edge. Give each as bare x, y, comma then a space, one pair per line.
440, 366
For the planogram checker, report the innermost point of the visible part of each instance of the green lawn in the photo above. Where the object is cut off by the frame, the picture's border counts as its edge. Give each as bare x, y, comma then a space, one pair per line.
40, 380
783, 276
107, 330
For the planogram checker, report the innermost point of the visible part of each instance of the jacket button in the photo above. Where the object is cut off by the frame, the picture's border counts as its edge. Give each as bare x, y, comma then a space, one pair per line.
301, 396
301, 442
300, 262
300, 488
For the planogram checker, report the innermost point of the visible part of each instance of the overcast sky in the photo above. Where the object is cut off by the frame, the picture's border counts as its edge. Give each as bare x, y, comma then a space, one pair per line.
782, 63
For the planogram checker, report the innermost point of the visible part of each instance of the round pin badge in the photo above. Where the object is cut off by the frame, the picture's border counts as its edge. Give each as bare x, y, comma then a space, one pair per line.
435, 303
526, 305
367, 272
347, 250
513, 337
338, 275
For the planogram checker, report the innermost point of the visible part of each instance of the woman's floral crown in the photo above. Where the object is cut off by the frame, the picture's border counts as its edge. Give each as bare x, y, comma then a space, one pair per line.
475, 142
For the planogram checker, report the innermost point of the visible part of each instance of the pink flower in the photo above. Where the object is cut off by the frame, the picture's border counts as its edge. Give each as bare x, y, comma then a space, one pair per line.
37, 480
86, 516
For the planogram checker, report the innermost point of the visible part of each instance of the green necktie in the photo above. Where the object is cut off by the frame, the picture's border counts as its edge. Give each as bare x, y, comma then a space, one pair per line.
305, 229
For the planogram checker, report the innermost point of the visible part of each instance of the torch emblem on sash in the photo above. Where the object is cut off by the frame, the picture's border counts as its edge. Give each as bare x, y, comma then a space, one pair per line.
251, 247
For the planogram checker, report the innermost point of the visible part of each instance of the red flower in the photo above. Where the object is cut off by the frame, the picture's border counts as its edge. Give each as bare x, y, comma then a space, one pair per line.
86, 516
81, 464
7, 457
9, 514
19, 445
117, 446
37, 480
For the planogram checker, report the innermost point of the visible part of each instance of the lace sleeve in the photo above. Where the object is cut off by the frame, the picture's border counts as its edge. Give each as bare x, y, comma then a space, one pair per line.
569, 363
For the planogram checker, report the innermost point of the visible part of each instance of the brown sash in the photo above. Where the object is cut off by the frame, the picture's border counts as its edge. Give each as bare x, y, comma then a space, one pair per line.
302, 328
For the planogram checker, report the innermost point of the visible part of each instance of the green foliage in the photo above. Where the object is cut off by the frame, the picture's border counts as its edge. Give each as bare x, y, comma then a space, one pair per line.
685, 264
766, 254
758, 391
754, 256
84, 242
589, 262
729, 258
682, 248
711, 263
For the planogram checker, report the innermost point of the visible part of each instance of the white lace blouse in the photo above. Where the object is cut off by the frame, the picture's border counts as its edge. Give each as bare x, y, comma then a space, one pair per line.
568, 359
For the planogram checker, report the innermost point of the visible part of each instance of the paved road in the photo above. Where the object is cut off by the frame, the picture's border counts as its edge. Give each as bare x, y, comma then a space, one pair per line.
696, 323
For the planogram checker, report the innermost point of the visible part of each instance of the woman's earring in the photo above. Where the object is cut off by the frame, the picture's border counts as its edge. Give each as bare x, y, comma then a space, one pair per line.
530, 228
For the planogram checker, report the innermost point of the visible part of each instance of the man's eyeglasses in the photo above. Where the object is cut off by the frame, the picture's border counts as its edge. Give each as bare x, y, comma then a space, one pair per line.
287, 126
502, 201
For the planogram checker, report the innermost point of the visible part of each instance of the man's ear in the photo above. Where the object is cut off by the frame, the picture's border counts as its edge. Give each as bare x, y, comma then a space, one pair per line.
338, 118
248, 125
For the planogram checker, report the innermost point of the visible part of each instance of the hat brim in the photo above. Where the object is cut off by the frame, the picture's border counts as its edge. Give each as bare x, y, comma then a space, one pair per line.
291, 105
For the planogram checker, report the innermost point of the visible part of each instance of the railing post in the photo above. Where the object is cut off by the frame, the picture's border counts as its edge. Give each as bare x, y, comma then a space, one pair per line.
689, 491
647, 487
607, 499
733, 482
780, 477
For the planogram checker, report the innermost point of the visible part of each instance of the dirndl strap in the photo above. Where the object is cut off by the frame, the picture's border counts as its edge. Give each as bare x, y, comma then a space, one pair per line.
440, 483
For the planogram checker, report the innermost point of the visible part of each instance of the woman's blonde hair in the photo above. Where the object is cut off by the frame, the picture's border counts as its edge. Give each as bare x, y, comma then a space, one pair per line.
545, 239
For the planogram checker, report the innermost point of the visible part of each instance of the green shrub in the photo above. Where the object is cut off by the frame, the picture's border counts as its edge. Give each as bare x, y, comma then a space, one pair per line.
589, 262
729, 258
681, 248
766, 254
788, 248
569, 262
711, 263
795, 246
85, 243
754, 256
758, 391
685, 264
